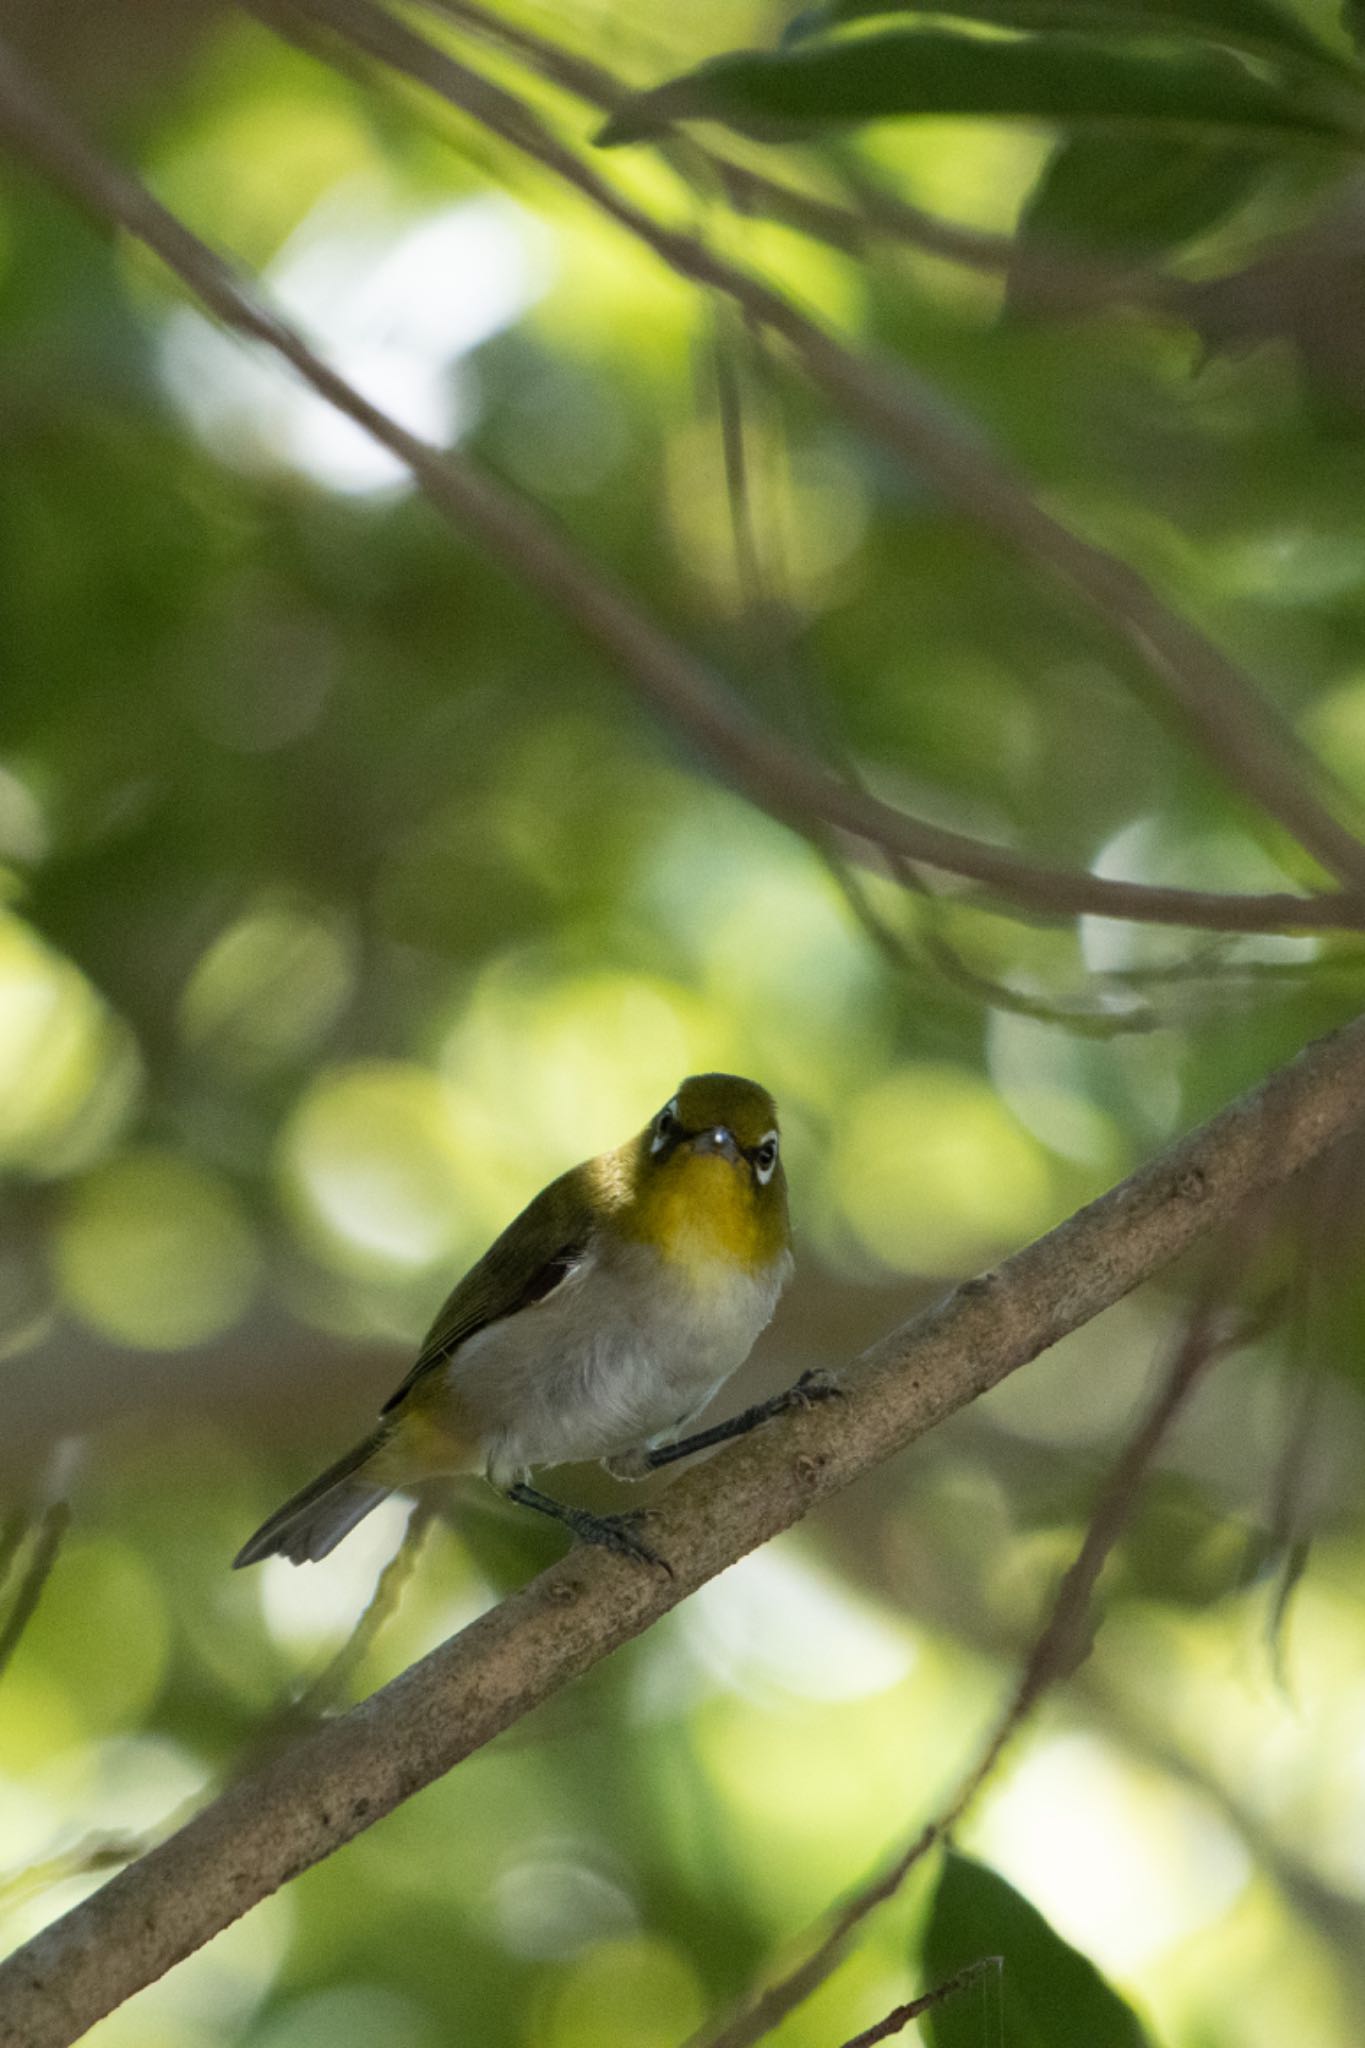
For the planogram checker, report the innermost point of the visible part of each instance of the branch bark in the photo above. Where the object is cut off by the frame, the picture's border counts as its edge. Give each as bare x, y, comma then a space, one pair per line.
781, 780
268, 1827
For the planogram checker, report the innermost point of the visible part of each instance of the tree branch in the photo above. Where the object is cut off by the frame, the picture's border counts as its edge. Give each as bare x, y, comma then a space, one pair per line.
777, 777
1239, 728
298, 1809
50, 1527
898, 2019
52, 1530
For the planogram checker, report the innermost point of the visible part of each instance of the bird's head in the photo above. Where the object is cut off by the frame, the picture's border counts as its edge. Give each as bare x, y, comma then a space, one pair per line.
708, 1173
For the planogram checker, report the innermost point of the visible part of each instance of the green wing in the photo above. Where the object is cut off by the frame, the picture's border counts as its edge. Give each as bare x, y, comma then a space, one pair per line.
535, 1253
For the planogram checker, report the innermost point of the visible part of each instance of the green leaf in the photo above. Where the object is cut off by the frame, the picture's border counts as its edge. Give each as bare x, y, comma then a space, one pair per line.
1051, 1995
1239, 24
1133, 196
944, 71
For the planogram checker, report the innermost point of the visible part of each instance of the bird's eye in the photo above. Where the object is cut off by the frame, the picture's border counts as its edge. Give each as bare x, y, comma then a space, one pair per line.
765, 1159
665, 1127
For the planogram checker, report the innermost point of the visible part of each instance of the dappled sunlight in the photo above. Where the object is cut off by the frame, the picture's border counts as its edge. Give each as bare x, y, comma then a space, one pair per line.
776, 1627
552, 1901
69, 1074
935, 1176
397, 300
25, 833
810, 503
1123, 1862
1160, 851
638, 1992
354, 2015
370, 1163
1087, 1387
106, 1609
887, 1760
585, 1059
305, 1611
1050, 1082
1335, 725
268, 988
154, 1251
1298, 1771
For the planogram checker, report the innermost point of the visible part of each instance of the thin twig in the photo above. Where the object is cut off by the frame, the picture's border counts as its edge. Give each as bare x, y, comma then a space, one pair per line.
1056, 1650
1240, 729
84, 1859
1084, 1020
902, 2015
333, 1680
775, 776
52, 1528
766, 604
111, 1851
767, 617
11, 1537
1327, 1226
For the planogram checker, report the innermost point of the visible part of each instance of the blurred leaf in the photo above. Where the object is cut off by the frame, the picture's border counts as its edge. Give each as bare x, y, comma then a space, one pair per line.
1053, 1997
1239, 23
944, 72
1134, 196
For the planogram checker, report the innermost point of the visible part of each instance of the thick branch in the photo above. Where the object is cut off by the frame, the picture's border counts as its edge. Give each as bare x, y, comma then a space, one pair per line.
785, 782
267, 1828
1239, 728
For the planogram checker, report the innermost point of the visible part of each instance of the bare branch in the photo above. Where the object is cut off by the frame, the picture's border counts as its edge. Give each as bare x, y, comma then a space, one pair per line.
299, 1808
774, 775
897, 2020
1326, 1227
12, 1532
52, 1528
393, 1581
1238, 727
50, 1533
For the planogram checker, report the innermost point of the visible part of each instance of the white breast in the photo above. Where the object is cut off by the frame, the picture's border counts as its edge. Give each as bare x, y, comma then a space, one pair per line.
626, 1349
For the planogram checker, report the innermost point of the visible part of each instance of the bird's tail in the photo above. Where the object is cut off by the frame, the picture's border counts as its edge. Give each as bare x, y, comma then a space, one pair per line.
314, 1520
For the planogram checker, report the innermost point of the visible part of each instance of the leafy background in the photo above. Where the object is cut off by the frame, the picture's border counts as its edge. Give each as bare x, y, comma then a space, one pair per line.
347, 896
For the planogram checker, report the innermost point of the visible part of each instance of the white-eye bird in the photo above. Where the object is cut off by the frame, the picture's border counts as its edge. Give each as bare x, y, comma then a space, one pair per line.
597, 1326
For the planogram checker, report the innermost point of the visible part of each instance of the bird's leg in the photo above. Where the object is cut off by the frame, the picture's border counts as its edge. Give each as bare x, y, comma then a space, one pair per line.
811, 1387
610, 1532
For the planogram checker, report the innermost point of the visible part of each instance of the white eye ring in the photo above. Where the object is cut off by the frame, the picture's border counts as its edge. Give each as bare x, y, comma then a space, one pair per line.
765, 1159
665, 1124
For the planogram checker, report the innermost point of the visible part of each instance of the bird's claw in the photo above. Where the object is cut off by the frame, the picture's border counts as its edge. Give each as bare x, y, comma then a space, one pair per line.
814, 1386
620, 1534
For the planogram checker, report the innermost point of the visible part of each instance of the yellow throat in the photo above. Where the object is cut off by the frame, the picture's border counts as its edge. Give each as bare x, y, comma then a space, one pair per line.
701, 1212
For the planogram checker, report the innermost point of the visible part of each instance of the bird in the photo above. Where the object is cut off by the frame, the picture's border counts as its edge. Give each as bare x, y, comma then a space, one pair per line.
596, 1327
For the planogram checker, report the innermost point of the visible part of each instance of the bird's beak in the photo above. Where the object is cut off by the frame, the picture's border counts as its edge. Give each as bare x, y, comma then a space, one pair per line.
717, 1143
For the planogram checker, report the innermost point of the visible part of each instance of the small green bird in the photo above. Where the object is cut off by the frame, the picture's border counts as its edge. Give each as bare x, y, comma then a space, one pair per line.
597, 1326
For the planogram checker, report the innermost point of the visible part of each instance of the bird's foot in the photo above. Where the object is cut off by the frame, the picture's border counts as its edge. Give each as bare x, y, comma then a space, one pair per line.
813, 1387
608, 1532
619, 1533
